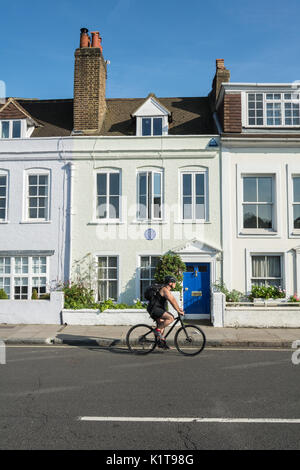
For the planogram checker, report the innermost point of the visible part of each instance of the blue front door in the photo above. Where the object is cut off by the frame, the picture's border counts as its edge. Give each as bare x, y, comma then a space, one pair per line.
196, 289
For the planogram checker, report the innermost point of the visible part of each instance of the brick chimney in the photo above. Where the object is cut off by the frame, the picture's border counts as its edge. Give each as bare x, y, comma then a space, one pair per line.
89, 84
222, 75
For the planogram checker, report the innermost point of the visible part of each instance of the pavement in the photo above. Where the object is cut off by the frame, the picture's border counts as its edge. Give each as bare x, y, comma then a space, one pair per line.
115, 336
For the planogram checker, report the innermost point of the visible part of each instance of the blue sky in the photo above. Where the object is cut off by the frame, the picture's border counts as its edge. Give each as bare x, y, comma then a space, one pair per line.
167, 47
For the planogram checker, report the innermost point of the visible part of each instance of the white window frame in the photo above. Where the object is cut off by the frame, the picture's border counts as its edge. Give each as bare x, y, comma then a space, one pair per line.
284, 266
153, 171
251, 170
194, 173
5, 173
36, 172
13, 275
265, 101
107, 171
118, 280
139, 125
292, 171
23, 128
140, 256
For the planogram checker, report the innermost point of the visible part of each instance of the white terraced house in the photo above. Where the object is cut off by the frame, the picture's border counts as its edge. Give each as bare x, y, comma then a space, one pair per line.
146, 180
260, 137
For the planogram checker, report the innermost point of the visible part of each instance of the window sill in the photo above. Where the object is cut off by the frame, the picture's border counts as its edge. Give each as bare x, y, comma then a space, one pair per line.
4, 222
149, 222
295, 234
35, 222
184, 222
258, 233
106, 222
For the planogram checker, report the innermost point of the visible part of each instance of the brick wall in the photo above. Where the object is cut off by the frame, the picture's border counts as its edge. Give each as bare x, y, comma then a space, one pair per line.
232, 113
89, 89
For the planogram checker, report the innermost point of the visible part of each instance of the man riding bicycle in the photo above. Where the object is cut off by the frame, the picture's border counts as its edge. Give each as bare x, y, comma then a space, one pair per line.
157, 308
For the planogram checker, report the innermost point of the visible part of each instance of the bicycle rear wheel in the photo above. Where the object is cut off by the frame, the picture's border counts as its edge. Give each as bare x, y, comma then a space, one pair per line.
190, 340
141, 339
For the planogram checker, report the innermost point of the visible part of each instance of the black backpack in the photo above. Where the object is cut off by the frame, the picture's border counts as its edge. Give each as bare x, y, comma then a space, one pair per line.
152, 291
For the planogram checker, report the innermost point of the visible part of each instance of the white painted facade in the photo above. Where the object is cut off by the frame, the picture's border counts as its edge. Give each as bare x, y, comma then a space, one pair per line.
23, 240
125, 238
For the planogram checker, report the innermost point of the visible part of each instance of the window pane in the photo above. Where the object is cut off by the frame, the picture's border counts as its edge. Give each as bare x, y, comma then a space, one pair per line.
112, 273
101, 208
112, 290
264, 189
157, 126
259, 266
187, 207
157, 184
143, 286
296, 184
5, 130
16, 129
297, 216
200, 185
187, 185
249, 216
146, 126
102, 291
102, 261
157, 207
200, 208
101, 184
114, 184
273, 266
265, 216
143, 184
114, 207
112, 261
250, 189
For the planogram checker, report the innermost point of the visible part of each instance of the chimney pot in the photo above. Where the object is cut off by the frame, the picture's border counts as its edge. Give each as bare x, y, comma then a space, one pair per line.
84, 38
96, 39
220, 64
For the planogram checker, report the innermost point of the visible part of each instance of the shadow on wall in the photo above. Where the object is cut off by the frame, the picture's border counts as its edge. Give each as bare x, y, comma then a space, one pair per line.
85, 270
128, 293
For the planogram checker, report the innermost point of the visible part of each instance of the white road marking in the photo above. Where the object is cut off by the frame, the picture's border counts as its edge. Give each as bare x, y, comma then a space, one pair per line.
190, 420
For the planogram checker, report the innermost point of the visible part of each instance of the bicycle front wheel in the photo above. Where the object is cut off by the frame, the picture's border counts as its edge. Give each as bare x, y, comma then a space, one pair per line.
141, 339
190, 340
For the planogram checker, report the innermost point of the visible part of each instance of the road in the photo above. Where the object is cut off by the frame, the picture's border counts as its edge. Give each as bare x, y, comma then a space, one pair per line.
46, 390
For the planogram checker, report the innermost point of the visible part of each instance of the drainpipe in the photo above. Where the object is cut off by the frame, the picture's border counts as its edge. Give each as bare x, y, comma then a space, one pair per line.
71, 169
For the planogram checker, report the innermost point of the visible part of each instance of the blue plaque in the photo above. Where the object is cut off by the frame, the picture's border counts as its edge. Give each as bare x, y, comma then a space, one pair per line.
150, 234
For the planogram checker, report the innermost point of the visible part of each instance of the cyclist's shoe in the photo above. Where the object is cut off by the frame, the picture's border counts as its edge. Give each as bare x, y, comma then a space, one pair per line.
161, 343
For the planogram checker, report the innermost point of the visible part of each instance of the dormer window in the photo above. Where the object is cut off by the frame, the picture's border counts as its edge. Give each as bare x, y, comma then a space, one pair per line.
273, 109
152, 126
152, 118
11, 129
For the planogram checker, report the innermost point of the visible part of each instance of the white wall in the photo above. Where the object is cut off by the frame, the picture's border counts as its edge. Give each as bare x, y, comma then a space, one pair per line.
126, 238
282, 161
33, 311
17, 156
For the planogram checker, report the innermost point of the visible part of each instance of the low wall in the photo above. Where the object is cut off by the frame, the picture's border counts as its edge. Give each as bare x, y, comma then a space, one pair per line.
108, 317
32, 311
262, 317
128, 316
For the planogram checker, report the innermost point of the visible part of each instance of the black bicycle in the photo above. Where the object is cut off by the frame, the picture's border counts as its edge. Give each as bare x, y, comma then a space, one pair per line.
189, 339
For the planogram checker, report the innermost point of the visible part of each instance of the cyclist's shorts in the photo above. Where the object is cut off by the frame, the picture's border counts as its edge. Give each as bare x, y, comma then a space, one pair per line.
156, 312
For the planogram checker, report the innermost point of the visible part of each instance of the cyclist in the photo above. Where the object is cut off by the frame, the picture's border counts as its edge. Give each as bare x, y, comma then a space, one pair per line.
157, 309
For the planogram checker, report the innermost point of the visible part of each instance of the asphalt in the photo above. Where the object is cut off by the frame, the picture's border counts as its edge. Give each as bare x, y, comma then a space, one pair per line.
115, 336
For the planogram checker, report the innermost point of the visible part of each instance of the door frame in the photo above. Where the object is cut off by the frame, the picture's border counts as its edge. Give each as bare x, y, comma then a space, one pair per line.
201, 258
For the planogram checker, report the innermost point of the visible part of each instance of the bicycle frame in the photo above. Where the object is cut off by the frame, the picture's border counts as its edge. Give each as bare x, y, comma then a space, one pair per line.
177, 320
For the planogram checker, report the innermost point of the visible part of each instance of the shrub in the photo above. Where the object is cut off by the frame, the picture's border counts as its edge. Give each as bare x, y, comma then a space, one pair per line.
110, 304
266, 292
3, 294
34, 295
78, 296
231, 296
294, 298
170, 264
